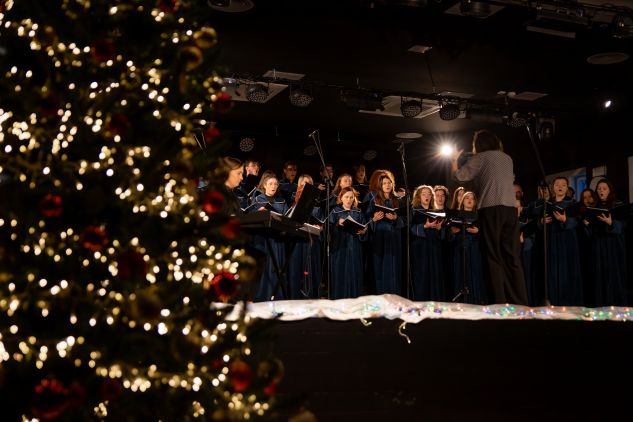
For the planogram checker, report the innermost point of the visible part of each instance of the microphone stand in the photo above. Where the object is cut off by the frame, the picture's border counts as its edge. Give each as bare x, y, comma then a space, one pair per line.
326, 226
540, 163
408, 220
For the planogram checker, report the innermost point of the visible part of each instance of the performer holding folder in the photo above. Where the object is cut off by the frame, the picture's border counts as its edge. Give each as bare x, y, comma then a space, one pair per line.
608, 247
468, 278
270, 281
564, 282
348, 231
426, 255
386, 241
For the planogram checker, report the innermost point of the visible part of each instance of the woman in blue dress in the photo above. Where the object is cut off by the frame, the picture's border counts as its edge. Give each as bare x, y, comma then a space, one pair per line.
270, 286
440, 196
426, 253
564, 281
346, 248
608, 249
468, 276
386, 239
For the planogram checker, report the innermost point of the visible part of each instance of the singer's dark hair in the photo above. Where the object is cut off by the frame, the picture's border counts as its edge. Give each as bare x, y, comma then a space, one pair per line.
484, 140
227, 164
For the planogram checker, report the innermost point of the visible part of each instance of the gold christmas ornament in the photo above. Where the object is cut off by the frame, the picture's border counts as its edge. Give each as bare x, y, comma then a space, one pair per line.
205, 38
190, 57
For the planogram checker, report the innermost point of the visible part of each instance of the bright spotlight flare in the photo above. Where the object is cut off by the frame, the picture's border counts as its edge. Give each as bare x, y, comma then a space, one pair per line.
446, 150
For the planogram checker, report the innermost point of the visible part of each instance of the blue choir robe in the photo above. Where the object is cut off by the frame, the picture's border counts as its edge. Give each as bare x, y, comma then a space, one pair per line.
586, 264
466, 248
346, 255
304, 270
446, 255
527, 247
386, 251
287, 189
426, 263
564, 281
276, 248
608, 250
369, 279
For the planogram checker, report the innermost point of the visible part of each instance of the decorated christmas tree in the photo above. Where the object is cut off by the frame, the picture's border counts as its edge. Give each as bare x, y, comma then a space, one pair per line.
112, 263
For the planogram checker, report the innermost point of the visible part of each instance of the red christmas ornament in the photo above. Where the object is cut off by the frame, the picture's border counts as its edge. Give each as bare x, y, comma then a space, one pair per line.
93, 238
212, 202
111, 389
210, 134
118, 124
231, 229
167, 6
50, 399
223, 102
271, 389
103, 50
76, 394
241, 375
51, 206
131, 265
224, 285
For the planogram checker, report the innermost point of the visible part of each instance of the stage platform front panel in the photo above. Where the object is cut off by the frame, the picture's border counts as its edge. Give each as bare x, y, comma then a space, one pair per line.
444, 368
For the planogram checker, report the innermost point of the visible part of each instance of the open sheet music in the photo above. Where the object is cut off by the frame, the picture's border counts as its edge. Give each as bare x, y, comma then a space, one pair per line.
352, 225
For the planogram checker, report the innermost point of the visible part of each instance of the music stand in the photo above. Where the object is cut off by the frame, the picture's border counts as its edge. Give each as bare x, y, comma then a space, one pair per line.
302, 210
402, 139
464, 219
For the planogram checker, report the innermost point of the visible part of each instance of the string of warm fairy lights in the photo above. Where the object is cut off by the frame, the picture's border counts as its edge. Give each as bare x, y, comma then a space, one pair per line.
39, 147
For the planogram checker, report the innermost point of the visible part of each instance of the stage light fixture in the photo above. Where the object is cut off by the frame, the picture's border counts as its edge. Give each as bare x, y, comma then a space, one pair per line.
247, 144
446, 150
257, 93
410, 108
449, 111
300, 97
545, 128
516, 120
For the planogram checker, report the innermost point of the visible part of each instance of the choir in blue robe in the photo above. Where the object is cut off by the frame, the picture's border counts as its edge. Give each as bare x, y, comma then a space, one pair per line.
426, 262
564, 281
609, 259
346, 255
270, 284
386, 251
466, 248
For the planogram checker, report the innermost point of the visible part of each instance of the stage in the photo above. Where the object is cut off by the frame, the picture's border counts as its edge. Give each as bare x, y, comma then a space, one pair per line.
386, 358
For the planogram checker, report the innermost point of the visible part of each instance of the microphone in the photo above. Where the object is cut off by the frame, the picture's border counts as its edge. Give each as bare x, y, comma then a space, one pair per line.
314, 132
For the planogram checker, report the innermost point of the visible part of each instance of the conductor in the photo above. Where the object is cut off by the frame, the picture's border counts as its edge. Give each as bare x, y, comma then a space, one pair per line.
494, 172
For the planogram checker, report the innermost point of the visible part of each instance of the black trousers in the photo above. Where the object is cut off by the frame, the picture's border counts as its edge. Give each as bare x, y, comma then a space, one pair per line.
502, 252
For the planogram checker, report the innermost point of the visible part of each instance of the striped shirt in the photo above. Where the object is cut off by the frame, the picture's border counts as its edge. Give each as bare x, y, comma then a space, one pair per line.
494, 173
